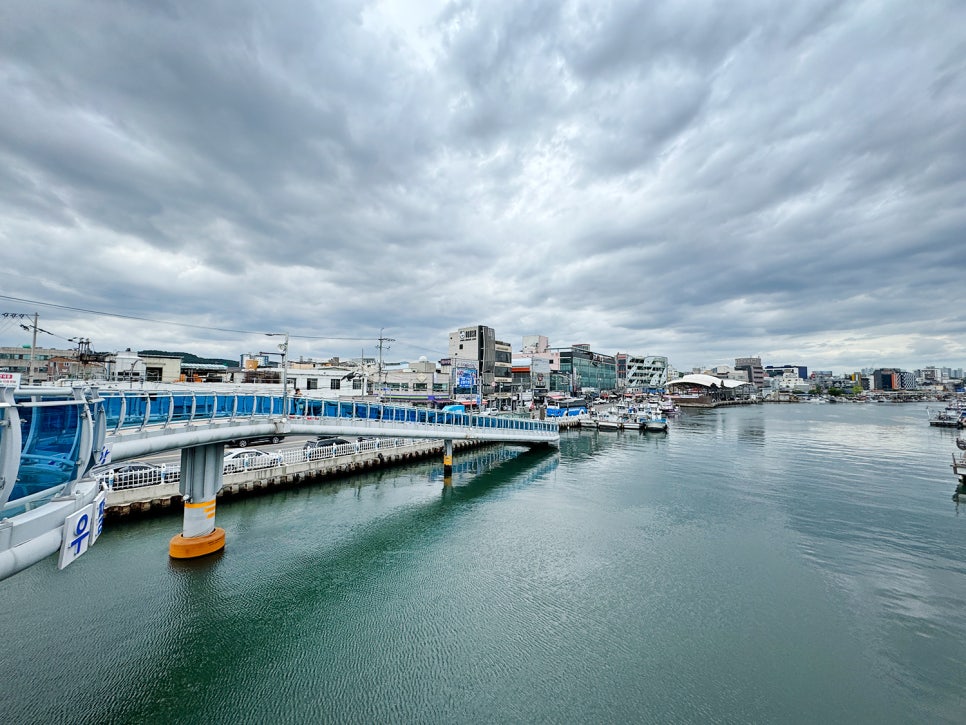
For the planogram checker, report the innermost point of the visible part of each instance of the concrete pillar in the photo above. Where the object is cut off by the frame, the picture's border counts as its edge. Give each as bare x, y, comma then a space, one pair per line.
201, 477
447, 462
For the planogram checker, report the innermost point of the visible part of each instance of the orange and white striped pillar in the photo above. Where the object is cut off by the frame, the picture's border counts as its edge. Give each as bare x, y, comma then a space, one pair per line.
447, 462
201, 477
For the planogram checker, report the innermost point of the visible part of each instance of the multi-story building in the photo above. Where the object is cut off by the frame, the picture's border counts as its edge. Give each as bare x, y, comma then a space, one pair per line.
38, 365
535, 344
646, 373
621, 359
788, 381
502, 375
777, 371
893, 379
587, 370
472, 358
418, 383
752, 366
531, 379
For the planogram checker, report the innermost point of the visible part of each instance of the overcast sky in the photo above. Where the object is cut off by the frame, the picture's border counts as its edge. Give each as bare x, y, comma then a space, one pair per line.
701, 180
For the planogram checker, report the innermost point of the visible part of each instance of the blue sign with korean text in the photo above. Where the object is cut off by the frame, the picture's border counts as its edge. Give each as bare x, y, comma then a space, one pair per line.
465, 378
77, 535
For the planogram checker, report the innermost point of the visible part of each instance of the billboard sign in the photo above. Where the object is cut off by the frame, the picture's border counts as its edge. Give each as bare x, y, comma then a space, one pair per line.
10, 379
466, 377
540, 373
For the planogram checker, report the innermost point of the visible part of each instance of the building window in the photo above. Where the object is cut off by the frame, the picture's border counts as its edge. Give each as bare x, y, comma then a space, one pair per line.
420, 386
335, 384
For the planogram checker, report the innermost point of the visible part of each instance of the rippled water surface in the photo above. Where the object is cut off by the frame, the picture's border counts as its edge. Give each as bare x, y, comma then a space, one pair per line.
766, 564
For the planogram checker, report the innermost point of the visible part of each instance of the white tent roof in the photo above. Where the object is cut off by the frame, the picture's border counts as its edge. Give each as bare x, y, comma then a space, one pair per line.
706, 381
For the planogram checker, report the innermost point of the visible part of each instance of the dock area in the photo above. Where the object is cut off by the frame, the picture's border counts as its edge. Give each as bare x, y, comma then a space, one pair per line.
165, 498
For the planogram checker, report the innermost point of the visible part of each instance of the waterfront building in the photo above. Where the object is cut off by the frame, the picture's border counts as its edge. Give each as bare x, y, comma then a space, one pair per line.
646, 373
621, 359
893, 379
586, 370
703, 390
786, 382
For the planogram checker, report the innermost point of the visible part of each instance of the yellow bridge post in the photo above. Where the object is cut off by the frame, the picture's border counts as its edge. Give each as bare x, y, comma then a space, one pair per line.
447, 462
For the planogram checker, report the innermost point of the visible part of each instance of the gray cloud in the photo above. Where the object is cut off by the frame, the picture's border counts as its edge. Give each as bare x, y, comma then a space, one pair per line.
701, 180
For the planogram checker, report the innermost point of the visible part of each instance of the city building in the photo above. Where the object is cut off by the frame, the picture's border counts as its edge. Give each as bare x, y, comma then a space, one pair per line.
41, 364
752, 366
646, 374
423, 383
781, 370
539, 344
586, 371
503, 376
472, 362
886, 379
621, 359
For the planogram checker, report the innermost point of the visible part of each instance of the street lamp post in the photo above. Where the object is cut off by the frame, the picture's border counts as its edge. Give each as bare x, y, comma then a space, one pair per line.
283, 348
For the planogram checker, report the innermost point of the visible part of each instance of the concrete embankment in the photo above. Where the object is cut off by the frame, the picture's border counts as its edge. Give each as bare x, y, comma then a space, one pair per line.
165, 498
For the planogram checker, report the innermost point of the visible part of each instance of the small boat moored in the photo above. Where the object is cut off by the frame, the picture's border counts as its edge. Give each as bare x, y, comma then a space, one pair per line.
652, 420
949, 417
959, 470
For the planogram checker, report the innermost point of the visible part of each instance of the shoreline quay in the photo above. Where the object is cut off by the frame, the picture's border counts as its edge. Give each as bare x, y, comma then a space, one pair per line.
165, 498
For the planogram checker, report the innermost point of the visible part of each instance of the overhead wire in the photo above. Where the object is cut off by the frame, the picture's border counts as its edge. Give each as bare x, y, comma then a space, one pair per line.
169, 322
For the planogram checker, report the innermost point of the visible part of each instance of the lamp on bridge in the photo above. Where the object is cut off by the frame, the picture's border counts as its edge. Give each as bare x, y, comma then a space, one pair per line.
283, 348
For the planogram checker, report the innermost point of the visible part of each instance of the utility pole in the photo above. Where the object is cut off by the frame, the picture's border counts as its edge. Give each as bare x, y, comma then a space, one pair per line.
33, 343
381, 341
283, 348
33, 347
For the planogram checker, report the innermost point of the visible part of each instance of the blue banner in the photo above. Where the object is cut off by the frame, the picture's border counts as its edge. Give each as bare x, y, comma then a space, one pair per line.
465, 378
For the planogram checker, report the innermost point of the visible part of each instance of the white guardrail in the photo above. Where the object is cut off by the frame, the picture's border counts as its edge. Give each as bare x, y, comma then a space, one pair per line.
156, 475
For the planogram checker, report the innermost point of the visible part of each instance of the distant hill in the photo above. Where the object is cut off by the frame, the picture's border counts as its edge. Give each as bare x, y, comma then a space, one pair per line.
187, 357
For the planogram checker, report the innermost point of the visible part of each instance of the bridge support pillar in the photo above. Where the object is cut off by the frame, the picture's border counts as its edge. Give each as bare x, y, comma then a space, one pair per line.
201, 477
447, 462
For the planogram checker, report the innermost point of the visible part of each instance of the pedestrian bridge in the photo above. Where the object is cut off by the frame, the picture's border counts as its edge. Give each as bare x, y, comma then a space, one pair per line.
137, 424
51, 438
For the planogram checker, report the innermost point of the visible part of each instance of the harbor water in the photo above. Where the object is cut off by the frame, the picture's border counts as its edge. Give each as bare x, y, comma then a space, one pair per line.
773, 563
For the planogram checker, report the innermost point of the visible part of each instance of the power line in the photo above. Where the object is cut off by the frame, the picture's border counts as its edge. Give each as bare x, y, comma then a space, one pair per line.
169, 322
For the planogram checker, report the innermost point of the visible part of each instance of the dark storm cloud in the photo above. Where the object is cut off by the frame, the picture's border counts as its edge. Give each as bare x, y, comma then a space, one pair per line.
701, 179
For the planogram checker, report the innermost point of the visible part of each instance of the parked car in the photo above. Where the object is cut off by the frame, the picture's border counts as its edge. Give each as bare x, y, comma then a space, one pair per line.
243, 460
130, 474
242, 442
322, 447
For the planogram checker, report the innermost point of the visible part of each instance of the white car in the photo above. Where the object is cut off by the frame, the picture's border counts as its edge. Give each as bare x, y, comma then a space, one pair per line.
246, 459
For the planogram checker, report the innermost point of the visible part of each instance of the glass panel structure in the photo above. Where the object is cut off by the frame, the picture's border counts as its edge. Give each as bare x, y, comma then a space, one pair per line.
51, 437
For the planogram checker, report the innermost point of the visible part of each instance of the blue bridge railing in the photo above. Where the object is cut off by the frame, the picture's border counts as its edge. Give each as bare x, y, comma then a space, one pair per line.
52, 436
124, 411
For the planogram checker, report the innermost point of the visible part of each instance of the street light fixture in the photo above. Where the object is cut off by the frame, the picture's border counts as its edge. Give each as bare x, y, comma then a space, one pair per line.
283, 347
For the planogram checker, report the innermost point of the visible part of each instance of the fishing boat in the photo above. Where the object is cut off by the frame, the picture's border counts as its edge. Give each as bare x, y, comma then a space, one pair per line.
949, 417
618, 417
652, 420
667, 407
959, 470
